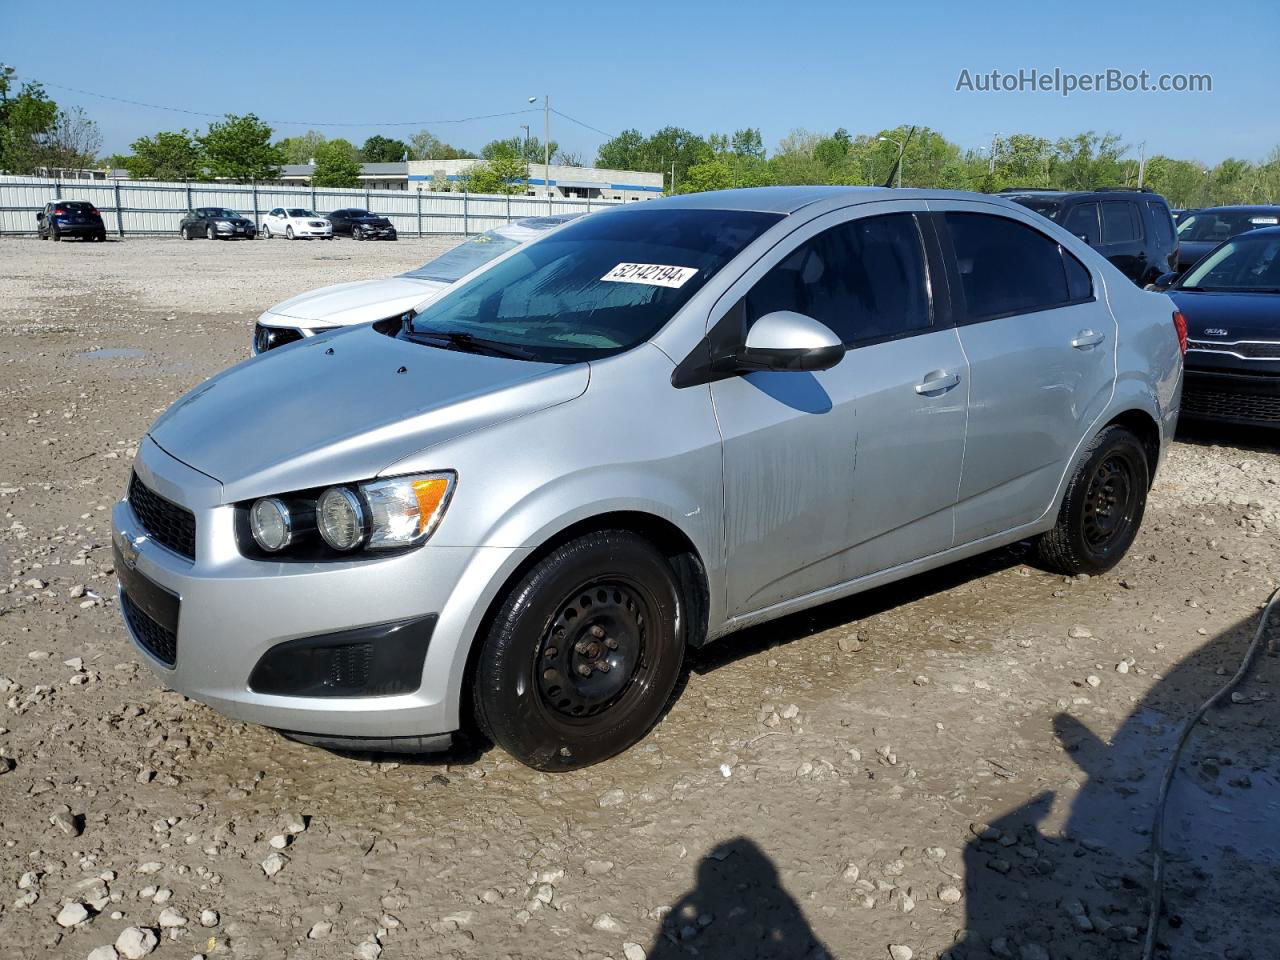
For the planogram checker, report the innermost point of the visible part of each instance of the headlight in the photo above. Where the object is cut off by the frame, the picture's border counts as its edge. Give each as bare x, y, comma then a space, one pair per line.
270, 523
405, 510
340, 517
349, 521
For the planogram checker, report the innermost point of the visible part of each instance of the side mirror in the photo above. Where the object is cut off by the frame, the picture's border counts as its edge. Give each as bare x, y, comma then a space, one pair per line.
1162, 282
784, 340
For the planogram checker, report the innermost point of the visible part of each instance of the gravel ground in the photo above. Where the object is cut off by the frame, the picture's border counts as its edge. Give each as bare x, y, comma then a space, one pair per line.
960, 765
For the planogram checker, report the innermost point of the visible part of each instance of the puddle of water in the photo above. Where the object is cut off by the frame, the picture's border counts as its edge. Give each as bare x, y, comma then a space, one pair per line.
114, 353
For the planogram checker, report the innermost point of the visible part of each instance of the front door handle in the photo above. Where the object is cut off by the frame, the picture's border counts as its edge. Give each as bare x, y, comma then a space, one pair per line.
938, 382
1086, 339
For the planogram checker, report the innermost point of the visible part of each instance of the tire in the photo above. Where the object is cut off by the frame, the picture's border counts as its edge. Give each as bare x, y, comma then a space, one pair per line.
357, 233
54, 234
607, 598
1103, 507
184, 233
100, 236
210, 233
288, 233
266, 232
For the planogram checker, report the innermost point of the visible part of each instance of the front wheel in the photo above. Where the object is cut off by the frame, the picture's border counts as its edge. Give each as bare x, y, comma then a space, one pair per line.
357, 233
211, 233
266, 232
288, 233
1103, 507
583, 654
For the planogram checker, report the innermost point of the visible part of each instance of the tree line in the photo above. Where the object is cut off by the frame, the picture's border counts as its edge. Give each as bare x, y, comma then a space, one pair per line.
36, 134
691, 163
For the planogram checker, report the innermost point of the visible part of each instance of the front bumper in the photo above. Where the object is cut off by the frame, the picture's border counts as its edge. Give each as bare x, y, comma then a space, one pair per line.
376, 233
232, 610
247, 232
1249, 398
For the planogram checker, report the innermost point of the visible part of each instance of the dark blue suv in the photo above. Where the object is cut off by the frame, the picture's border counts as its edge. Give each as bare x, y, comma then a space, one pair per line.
70, 218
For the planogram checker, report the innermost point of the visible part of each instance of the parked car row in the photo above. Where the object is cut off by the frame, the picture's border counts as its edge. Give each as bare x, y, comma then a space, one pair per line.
513, 507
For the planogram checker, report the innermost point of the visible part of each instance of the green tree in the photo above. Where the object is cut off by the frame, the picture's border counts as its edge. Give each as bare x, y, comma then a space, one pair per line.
25, 123
503, 173
427, 146
302, 148
529, 150
337, 165
165, 156
240, 149
380, 149
1088, 160
626, 151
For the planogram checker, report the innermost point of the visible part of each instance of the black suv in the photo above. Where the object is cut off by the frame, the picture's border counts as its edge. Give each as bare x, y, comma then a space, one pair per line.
361, 225
70, 218
1132, 228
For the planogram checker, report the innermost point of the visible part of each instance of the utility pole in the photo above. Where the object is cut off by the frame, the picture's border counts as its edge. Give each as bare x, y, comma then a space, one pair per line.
673, 177
991, 164
1142, 164
525, 128
546, 143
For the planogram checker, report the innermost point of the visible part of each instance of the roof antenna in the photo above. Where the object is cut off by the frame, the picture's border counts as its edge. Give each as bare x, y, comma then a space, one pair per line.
893, 172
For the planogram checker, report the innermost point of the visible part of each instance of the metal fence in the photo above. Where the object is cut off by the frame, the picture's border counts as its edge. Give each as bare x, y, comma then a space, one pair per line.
148, 207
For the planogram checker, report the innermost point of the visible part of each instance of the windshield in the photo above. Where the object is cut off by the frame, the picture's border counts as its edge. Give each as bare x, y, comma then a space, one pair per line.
599, 286
300, 212
1214, 226
358, 213
222, 212
1247, 265
465, 257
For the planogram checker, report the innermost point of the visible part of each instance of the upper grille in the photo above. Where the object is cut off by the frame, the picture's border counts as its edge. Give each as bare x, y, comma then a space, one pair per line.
155, 639
1226, 405
1245, 349
165, 522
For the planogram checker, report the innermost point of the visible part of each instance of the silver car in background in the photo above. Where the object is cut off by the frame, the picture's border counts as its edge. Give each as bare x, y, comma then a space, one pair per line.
516, 509
361, 301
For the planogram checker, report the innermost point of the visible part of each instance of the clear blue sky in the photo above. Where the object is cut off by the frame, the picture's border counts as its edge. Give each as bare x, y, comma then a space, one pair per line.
707, 66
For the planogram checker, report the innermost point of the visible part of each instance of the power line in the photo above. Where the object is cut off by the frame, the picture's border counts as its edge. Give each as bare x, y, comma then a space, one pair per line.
603, 133
305, 123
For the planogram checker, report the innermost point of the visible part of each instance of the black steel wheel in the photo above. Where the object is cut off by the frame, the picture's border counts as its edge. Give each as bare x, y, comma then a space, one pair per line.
583, 653
1103, 507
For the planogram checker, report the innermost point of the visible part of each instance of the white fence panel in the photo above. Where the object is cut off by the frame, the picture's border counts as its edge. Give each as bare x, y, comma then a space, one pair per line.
148, 207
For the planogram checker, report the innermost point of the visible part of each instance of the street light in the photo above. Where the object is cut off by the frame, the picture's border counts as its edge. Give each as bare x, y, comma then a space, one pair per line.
525, 151
901, 147
546, 144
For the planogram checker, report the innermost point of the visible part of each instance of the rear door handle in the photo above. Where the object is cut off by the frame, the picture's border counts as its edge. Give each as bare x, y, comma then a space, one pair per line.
938, 383
1086, 339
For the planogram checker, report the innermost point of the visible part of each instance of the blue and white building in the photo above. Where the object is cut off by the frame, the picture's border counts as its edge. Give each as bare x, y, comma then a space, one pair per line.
595, 183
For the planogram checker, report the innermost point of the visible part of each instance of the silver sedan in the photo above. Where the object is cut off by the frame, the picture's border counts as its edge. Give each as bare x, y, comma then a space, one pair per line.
515, 509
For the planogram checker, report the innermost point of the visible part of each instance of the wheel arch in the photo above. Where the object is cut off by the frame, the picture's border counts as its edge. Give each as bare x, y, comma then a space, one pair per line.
1144, 426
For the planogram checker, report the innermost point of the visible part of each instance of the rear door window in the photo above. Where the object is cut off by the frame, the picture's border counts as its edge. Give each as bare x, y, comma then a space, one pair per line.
1082, 221
1117, 222
1163, 222
865, 279
1006, 267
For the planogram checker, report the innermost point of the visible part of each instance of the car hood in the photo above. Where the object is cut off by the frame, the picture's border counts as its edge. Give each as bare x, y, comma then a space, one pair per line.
344, 304
371, 219
1244, 316
344, 406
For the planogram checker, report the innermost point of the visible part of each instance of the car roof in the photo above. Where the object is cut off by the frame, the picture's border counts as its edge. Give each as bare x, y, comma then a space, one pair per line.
1240, 208
1263, 232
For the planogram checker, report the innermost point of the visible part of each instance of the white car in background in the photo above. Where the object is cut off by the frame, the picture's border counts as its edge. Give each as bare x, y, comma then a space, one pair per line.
363, 301
295, 222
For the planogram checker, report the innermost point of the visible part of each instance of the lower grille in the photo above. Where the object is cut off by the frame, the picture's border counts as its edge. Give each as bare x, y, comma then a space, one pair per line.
1222, 404
165, 522
155, 639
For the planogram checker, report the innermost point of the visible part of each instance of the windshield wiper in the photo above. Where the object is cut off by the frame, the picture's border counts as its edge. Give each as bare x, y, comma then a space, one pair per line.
468, 343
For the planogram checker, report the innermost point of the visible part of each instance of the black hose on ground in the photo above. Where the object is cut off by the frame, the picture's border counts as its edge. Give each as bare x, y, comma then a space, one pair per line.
1157, 830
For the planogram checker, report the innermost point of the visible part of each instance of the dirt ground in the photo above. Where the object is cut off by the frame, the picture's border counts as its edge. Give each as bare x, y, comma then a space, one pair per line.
961, 765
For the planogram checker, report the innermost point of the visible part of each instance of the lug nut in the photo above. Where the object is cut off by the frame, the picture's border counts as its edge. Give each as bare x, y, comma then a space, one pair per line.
550, 652
584, 670
602, 666
597, 631
611, 643
582, 647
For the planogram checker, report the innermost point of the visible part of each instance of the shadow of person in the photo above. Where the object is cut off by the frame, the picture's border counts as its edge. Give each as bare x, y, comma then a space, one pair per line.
1082, 892
737, 910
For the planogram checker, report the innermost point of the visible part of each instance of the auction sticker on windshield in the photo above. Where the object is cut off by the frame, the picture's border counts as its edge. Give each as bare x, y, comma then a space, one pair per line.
654, 274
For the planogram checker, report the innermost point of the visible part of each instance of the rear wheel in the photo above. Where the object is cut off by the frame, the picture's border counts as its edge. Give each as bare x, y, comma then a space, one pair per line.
1103, 507
100, 236
54, 234
583, 654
